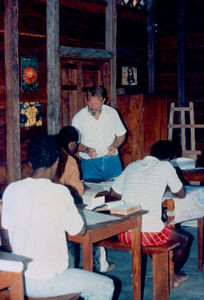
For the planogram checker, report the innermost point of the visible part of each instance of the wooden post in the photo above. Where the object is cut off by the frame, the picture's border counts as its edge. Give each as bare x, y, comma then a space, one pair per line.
152, 48
111, 31
180, 54
53, 66
12, 90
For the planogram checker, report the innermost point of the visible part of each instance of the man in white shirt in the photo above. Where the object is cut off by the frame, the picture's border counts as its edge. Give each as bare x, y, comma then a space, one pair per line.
101, 134
144, 182
37, 213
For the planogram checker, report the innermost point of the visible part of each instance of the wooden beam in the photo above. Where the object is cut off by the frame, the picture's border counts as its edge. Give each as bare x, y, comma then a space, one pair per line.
180, 54
97, 7
53, 68
152, 46
111, 34
94, 6
84, 52
12, 90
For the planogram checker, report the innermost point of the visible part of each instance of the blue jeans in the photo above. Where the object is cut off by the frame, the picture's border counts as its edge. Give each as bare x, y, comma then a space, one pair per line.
92, 286
102, 168
99, 262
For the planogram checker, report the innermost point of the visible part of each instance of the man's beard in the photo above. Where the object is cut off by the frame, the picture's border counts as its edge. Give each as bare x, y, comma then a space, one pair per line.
94, 112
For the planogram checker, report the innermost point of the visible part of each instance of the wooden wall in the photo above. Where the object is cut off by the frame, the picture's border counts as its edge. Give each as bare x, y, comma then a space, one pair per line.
82, 24
145, 117
167, 82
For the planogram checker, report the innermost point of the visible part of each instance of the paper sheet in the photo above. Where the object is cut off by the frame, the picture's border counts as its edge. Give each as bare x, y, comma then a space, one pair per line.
89, 197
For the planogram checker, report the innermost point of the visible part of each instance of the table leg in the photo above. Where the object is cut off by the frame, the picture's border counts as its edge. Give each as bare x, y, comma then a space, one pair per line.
87, 253
136, 259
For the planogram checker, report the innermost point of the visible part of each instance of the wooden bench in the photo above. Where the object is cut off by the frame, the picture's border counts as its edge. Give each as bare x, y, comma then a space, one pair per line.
161, 259
162, 264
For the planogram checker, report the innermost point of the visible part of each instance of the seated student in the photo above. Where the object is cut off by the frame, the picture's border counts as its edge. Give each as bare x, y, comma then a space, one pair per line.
68, 171
37, 214
144, 182
69, 175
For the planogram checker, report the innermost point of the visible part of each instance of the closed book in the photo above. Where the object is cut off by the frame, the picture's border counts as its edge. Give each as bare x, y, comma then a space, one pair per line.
125, 209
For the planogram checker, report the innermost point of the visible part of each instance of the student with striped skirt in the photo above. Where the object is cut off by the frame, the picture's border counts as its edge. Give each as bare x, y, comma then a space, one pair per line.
144, 182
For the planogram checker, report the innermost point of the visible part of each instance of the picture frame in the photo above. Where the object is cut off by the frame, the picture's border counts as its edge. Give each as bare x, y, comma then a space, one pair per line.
29, 74
130, 78
30, 114
129, 75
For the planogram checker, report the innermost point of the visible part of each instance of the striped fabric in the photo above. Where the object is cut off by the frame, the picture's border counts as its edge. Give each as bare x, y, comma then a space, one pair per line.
148, 238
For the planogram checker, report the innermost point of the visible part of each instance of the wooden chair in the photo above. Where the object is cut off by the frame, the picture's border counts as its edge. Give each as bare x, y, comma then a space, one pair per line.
169, 204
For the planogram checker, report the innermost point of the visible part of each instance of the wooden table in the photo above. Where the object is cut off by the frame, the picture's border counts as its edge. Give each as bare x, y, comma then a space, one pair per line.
101, 231
196, 174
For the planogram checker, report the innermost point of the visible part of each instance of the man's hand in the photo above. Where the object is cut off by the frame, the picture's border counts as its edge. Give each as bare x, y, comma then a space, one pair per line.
92, 152
113, 194
111, 150
117, 143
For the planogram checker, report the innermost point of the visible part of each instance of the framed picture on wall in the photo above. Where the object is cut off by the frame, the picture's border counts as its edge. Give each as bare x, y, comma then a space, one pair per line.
130, 78
30, 114
29, 74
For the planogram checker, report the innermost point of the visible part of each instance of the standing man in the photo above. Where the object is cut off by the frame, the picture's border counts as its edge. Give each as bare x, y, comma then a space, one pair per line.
101, 134
37, 213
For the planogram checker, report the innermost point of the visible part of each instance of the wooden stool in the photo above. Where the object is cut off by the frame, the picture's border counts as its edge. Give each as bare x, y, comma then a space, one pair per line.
162, 264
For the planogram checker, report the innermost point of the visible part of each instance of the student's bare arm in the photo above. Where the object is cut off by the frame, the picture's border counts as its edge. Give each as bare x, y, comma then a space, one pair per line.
5, 240
113, 194
181, 193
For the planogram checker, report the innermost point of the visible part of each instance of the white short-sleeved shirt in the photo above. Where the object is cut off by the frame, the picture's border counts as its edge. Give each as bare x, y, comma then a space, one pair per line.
144, 182
101, 133
37, 212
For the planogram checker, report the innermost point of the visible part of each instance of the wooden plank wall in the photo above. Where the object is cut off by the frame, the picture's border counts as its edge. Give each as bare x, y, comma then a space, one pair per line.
83, 25
193, 58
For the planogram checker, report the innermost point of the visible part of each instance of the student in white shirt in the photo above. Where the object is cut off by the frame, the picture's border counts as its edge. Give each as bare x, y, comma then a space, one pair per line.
144, 182
37, 213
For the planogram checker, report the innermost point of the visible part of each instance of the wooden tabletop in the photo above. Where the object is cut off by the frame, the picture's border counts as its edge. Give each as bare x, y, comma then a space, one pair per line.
101, 231
196, 174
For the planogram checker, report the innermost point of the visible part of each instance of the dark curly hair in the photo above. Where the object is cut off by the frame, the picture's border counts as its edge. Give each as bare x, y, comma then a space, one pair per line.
66, 135
162, 150
43, 152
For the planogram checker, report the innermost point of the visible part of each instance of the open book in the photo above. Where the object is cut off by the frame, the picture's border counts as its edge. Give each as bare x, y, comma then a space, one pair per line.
122, 208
